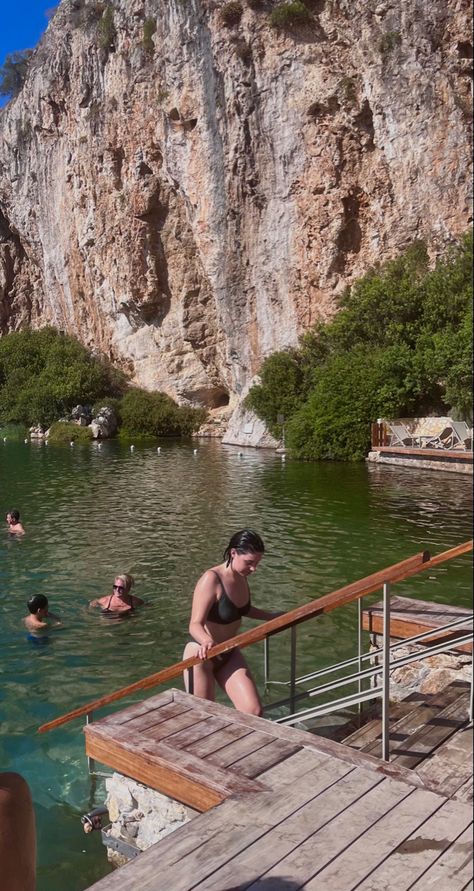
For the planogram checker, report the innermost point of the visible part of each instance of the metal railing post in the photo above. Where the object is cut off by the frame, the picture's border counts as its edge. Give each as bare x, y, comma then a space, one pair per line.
90, 761
386, 674
359, 647
266, 661
292, 668
471, 694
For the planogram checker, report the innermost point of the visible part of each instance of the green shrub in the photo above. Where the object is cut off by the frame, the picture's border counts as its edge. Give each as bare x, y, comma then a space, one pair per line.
149, 29
13, 431
231, 13
288, 15
43, 374
156, 414
63, 431
280, 390
400, 345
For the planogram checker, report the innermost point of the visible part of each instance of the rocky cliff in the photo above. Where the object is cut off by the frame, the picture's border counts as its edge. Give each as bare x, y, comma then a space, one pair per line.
186, 188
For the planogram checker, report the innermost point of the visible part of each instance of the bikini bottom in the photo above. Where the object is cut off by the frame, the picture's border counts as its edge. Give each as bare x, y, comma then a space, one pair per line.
218, 662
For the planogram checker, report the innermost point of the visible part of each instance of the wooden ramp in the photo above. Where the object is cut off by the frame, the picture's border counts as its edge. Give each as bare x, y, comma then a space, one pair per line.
409, 617
282, 809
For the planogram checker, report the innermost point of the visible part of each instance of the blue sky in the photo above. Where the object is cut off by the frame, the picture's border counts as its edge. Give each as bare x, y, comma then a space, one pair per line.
22, 23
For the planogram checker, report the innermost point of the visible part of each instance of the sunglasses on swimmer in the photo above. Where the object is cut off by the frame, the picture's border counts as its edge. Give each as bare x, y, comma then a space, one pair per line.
118, 587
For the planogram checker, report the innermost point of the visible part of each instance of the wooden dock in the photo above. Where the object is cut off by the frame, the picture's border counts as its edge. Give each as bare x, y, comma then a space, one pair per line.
280, 808
409, 617
448, 460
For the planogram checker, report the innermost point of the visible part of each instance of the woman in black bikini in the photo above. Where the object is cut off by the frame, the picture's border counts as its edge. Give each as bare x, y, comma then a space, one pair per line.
120, 602
221, 598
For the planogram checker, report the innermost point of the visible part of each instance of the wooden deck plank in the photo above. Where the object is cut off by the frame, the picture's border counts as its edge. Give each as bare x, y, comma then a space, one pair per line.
167, 728
439, 729
452, 871
418, 853
155, 716
264, 856
140, 708
257, 762
409, 617
204, 747
309, 740
169, 770
450, 766
152, 870
465, 792
215, 855
233, 753
286, 772
352, 848
189, 735
430, 722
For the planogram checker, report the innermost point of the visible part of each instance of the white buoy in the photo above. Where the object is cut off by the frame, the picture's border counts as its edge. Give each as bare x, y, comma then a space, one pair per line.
158, 451
283, 457
195, 451
99, 445
132, 448
4, 438
26, 440
71, 443
241, 454
46, 442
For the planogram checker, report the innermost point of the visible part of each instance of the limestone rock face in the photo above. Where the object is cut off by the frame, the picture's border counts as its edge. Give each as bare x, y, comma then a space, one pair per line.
186, 194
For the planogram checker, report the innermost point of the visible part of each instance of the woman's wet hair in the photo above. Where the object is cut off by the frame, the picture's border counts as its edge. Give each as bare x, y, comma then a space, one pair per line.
244, 542
14, 515
127, 580
38, 601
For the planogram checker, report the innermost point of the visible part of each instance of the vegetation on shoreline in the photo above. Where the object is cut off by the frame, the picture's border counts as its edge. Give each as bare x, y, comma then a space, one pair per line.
401, 345
44, 374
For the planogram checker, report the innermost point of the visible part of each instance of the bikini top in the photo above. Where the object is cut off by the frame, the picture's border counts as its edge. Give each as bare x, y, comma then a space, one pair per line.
224, 611
115, 614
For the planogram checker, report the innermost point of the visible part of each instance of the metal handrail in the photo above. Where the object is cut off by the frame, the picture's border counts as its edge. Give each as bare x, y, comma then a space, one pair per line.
337, 666
347, 594
373, 672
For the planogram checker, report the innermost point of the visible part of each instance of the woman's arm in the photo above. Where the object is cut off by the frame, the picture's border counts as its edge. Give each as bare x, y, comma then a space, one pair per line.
204, 595
264, 614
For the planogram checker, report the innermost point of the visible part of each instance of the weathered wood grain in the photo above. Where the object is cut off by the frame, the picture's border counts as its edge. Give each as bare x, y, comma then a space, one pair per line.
235, 752
453, 870
189, 735
450, 766
264, 856
354, 844
229, 830
254, 764
409, 617
169, 770
219, 739
410, 860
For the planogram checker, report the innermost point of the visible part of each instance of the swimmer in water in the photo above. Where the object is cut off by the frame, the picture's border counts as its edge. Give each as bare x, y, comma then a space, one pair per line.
13, 523
39, 618
120, 602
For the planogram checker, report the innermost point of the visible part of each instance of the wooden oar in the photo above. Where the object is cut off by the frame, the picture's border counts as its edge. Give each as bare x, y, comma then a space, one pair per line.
398, 571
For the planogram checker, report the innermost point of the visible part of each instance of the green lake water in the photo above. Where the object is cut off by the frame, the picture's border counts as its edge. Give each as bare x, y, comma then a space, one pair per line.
90, 514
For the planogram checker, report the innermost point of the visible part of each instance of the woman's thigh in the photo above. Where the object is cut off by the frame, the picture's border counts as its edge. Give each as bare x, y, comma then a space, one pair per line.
203, 676
235, 678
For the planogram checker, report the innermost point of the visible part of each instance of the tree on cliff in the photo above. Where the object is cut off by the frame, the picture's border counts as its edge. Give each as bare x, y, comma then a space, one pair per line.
13, 72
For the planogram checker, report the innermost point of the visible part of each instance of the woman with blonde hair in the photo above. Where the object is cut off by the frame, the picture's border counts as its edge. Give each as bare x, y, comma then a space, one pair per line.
120, 602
